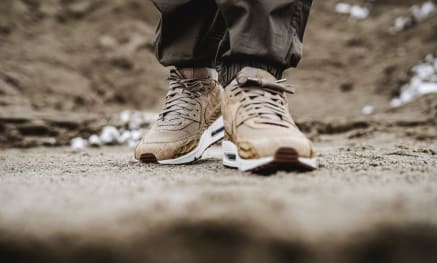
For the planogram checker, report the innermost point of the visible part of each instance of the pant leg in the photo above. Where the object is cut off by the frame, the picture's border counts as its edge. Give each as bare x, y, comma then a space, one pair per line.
262, 33
188, 33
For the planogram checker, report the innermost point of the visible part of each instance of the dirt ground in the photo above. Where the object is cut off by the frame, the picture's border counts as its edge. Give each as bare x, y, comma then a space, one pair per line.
67, 67
374, 199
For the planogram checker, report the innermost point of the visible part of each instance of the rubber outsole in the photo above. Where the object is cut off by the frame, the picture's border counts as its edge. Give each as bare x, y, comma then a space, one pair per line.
284, 159
148, 158
210, 136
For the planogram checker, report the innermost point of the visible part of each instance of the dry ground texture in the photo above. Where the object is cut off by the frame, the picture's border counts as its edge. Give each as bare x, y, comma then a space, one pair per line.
374, 199
67, 66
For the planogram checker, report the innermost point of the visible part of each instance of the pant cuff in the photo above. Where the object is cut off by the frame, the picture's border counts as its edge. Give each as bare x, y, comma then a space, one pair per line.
228, 72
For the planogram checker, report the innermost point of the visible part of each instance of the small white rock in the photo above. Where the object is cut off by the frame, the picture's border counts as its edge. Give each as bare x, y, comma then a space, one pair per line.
416, 14
415, 83
423, 71
51, 141
136, 121
136, 135
427, 8
343, 8
420, 13
94, 140
124, 137
125, 117
401, 23
408, 94
109, 135
78, 143
427, 88
367, 110
358, 12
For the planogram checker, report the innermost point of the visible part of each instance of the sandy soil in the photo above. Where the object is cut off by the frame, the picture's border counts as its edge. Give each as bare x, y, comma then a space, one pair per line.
373, 198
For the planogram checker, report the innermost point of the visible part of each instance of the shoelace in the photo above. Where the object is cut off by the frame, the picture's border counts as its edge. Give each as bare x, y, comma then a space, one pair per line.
265, 100
180, 98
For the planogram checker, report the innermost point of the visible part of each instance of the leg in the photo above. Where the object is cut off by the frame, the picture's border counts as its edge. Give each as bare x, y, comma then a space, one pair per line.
263, 33
188, 33
264, 37
190, 121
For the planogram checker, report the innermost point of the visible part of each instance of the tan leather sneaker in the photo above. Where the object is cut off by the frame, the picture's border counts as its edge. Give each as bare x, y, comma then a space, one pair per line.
189, 122
260, 134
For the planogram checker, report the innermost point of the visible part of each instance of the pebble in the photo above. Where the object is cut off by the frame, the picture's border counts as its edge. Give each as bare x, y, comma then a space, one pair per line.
423, 81
417, 13
136, 122
424, 71
78, 143
355, 11
136, 135
124, 137
125, 117
134, 126
343, 8
427, 88
94, 140
422, 12
367, 110
401, 23
358, 12
109, 135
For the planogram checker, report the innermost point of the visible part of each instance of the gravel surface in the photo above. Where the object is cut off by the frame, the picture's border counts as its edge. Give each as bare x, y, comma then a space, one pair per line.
371, 194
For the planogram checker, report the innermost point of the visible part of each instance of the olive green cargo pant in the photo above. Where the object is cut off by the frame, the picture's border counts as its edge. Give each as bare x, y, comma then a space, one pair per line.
231, 34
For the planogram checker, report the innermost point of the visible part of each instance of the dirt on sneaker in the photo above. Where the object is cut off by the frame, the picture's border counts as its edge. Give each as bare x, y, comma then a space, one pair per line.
69, 66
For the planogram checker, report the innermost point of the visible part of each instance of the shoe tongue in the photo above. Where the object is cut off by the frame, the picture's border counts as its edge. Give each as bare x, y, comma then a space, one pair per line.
194, 73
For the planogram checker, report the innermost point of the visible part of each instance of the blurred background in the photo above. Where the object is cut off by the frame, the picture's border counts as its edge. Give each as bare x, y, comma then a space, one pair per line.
68, 65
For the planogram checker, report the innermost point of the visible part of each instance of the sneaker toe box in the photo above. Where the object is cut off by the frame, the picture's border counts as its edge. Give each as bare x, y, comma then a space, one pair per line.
165, 151
259, 148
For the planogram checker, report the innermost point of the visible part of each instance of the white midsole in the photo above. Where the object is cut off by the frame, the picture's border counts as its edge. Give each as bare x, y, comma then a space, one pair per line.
231, 158
213, 134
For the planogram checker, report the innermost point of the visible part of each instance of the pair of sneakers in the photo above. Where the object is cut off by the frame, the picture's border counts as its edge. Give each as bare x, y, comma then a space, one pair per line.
251, 114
